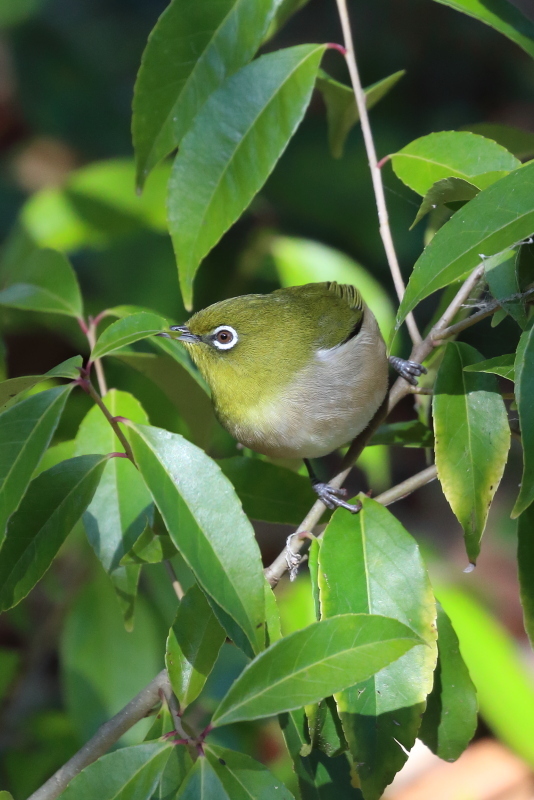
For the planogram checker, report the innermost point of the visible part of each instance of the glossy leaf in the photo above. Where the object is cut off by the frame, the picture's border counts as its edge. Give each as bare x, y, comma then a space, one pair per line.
191, 51
500, 365
451, 154
341, 110
221, 164
25, 433
193, 645
370, 564
202, 783
472, 440
497, 667
269, 492
176, 769
122, 505
163, 723
45, 282
405, 434
495, 219
242, 777
150, 548
55, 454
446, 190
518, 142
10, 389
132, 773
215, 538
313, 663
501, 15
128, 330
450, 718
501, 276
524, 387
525, 564
301, 261
48, 512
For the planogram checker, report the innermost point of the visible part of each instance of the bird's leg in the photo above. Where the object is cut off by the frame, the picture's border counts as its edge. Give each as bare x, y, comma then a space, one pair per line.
331, 497
409, 370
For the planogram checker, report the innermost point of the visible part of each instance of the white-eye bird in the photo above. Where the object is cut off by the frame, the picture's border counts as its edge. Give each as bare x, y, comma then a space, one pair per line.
296, 373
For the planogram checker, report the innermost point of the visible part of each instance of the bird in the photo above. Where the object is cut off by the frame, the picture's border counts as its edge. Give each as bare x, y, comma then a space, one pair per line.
296, 373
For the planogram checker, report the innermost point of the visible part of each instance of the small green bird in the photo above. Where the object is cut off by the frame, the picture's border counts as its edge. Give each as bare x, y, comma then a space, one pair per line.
296, 373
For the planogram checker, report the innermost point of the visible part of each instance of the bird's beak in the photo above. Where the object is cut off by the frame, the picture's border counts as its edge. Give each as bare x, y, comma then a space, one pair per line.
186, 336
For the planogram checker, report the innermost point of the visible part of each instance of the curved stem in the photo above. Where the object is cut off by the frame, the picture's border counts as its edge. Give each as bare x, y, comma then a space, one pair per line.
86, 384
99, 369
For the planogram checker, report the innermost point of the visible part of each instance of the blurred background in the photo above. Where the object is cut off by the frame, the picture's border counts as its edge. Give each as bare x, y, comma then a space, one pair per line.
67, 71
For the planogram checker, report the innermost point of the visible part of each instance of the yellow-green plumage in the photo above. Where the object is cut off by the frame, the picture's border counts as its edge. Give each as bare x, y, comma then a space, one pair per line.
307, 373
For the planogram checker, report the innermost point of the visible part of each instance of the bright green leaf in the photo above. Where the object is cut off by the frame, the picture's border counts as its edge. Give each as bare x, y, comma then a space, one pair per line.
206, 523
446, 190
25, 433
231, 149
59, 452
45, 282
126, 331
495, 219
313, 663
405, 434
341, 110
10, 389
524, 388
242, 777
525, 563
150, 548
472, 439
370, 564
518, 142
193, 645
122, 505
48, 512
191, 51
269, 492
132, 773
501, 15
500, 365
450, 718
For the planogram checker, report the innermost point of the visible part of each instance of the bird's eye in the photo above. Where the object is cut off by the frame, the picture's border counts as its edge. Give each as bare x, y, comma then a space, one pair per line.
224, 337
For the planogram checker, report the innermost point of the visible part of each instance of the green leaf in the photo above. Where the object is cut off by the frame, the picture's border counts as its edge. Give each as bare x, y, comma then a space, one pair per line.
500, 365
202, 784
128, 330
45, 282
173, 775
301, 261
268, 492
163, 723
326, 731
59, 452
242, 777
472, 439
447, 190
525, 563
132, 773
518, 142
231, 149
370, 564
501, 15
206, 523
497, 667
285, 10
10, 389
191, 51
150, 548
450, 718
524, 387
122, 505
313, 663
341, 110
272, 616
25, 433
501, 276
405, 434
451, 154
48, 512
495, 219
193, 645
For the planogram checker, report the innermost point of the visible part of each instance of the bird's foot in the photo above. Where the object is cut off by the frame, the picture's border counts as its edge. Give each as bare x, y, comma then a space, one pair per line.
409, 370
332, 498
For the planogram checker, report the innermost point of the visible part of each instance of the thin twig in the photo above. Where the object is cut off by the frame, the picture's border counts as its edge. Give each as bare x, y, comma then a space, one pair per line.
376, 174
486, 311
99, 369
174, 709
176, 585
86, 384
106, 736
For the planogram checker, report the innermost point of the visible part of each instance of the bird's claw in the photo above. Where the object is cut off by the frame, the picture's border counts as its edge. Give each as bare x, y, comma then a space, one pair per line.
409, 370
332, 498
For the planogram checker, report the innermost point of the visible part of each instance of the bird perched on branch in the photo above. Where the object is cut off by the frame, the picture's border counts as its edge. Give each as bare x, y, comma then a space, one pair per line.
296, 373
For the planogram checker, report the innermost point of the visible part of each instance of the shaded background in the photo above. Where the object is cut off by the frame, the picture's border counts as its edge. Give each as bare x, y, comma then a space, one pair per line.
67, 71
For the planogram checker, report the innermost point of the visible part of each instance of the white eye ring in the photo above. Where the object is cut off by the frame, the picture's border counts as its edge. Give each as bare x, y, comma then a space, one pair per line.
224, 345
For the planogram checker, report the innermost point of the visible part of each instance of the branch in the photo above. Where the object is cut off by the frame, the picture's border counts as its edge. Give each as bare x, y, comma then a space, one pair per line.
87, 386
90, 332
376, 174
105, 737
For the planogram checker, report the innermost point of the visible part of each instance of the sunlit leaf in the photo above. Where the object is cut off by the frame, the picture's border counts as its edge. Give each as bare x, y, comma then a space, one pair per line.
500, 365
10, 389
242, 777
150, 548
48, 512
450, 718
232, 147
370, 564
191, 51
446, 190
45, 282
524, 388
126, 331
313, 663
518, 142
472, 439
